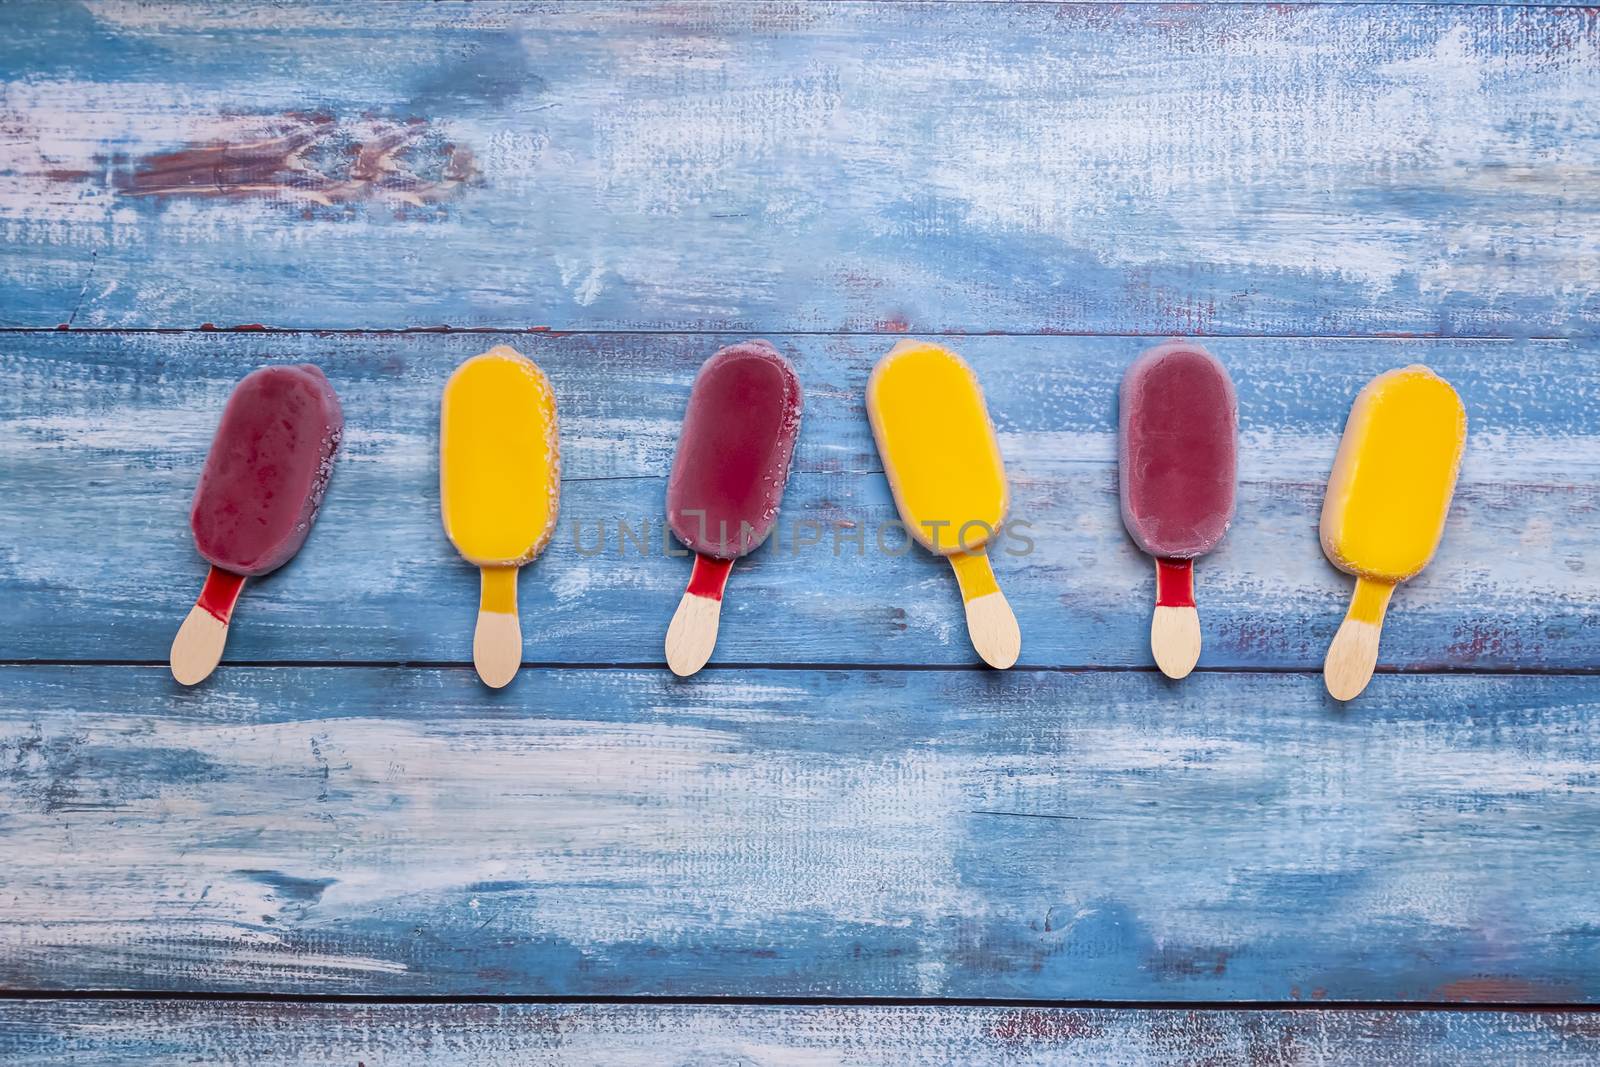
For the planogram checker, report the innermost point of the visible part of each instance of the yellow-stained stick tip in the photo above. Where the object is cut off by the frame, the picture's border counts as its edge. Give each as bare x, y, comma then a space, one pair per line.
1353, 655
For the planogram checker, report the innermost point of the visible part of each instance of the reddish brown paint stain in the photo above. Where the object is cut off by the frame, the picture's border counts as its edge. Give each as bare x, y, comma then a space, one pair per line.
1176, 962
303, 156
1477, 639
1493, 990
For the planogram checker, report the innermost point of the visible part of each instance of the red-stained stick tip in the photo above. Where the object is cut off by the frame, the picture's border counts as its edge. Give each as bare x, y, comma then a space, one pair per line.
1174, 583
709, 577
220, 593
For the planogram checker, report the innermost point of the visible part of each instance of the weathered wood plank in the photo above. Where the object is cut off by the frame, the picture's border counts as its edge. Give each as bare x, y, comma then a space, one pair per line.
1241, 168
46, 1033
102, 438
797, 833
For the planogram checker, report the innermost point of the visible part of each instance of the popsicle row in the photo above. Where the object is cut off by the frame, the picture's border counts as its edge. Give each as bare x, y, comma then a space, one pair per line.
500, 488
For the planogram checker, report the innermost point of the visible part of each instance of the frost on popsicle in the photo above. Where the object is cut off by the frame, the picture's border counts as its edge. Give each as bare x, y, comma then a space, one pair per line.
259, 492
735, 450
268, 469
1178, 443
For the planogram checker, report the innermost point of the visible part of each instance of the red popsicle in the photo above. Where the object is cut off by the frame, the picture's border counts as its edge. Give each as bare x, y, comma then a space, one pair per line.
258, 495
727, 481
1179, 429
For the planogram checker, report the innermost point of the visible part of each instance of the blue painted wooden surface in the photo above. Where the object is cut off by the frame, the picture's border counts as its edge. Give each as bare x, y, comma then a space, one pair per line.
1238, 168
49, 1034
1514, 584
840, 809
909, 833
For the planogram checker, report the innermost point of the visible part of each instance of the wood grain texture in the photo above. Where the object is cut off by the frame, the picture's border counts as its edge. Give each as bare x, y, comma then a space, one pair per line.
1269, 170
1058, 835
102, 438
1236, 168
51, 1033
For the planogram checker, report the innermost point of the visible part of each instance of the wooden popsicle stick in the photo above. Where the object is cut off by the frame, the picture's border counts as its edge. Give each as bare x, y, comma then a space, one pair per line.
1175, 626
990, 622
1354, 651
197, 649
497, 640
693, 631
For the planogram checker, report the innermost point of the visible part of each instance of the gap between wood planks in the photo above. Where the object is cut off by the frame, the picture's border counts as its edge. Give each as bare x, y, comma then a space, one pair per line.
653, 665
647, 1000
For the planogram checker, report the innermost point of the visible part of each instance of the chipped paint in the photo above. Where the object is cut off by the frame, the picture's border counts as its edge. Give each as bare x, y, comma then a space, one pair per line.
1395, 170
50, 1033
1228, 169
300, 156
800, 833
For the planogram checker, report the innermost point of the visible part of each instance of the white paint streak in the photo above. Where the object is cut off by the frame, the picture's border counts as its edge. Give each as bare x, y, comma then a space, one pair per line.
725, 167
740, 811
444, 1035
794, 840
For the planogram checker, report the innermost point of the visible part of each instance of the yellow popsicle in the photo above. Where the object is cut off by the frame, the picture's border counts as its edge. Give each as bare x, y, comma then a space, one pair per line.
943, 464
499, 488
1386, 504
